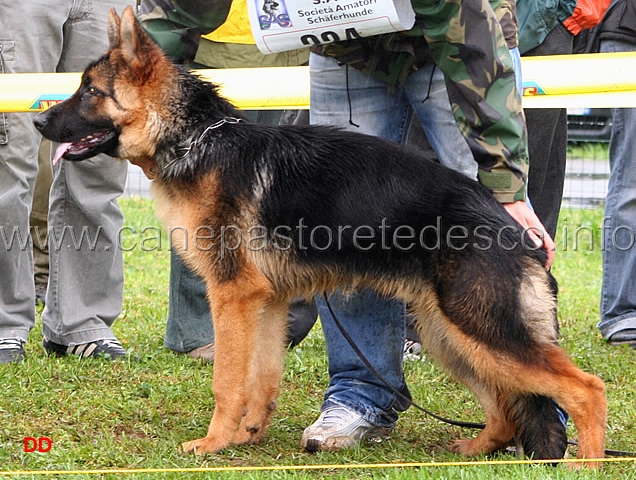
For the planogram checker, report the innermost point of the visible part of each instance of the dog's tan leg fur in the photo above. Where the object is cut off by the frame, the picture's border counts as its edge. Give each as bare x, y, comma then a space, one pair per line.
582, 395
499, 429
236, 306
436, 331
265, 374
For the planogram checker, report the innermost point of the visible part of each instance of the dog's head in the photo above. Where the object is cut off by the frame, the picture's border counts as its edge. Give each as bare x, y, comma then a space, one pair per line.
270, 7
117, 108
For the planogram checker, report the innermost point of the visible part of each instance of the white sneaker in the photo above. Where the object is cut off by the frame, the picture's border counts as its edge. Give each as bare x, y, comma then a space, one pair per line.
338, 427
412, 350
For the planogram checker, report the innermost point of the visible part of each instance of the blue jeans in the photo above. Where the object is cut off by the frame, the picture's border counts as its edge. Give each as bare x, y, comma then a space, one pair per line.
189, 323
377, 326
347, 98
618, 294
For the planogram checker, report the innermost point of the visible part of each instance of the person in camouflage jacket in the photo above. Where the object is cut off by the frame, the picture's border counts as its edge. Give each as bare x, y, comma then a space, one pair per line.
486, 104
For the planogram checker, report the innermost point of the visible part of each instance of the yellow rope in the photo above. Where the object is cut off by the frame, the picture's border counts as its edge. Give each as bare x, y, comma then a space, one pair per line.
263, 468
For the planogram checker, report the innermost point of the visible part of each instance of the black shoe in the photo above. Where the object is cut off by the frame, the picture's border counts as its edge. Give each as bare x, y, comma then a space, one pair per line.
108, 349
11, 350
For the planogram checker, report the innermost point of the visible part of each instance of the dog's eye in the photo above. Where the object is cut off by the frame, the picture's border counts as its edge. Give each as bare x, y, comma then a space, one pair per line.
92, 90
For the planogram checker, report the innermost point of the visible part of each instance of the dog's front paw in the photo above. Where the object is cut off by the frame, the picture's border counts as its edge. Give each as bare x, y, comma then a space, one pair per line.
205, 445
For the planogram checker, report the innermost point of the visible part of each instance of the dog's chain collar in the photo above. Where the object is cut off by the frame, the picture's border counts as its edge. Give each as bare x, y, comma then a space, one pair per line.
214, 126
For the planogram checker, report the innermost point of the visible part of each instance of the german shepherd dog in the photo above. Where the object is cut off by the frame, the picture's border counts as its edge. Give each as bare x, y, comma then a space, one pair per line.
277, 212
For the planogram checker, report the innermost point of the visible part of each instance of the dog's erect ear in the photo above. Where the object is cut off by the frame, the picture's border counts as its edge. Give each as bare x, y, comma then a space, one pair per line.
112, 28
132, 47
131, 35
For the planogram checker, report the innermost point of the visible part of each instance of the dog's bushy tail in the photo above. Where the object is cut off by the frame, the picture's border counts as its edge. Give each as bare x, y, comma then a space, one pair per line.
540, 430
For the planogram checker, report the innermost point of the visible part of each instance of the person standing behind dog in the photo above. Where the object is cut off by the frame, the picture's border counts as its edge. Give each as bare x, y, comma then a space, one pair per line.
617, 33
368, 93
85, 290
548, 28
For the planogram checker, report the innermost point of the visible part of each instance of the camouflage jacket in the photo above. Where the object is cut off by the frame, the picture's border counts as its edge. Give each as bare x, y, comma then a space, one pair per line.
177, 25
456, 34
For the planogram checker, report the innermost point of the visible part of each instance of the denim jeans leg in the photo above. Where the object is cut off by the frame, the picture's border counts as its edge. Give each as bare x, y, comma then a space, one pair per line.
189, 323
618, 294
377, 326
344, 97
426, 93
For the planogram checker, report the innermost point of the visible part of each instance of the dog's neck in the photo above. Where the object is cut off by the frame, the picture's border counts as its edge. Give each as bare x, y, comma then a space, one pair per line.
204, 112
184, 151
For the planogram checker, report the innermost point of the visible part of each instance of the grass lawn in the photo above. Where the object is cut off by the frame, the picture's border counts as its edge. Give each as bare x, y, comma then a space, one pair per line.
134, 414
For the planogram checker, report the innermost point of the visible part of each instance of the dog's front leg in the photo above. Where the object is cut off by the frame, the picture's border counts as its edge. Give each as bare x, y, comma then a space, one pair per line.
265, 373
235, 306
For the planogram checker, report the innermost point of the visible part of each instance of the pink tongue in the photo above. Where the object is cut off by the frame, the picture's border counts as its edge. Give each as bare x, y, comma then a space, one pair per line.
61, 150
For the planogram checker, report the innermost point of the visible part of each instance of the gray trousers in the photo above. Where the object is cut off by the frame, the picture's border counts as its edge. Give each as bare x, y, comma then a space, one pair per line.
85, 288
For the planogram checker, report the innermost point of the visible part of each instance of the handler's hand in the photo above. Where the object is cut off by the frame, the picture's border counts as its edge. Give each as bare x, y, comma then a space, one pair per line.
531, 223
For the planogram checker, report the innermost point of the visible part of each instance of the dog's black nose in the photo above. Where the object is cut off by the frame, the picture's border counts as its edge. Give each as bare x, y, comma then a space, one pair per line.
40, 121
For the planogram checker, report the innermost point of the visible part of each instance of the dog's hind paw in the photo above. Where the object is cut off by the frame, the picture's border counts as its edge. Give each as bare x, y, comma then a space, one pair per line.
205, 445
464, 447
480, 445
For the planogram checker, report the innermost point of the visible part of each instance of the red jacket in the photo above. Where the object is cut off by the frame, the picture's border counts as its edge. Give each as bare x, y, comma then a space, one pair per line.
537, 18
586, 14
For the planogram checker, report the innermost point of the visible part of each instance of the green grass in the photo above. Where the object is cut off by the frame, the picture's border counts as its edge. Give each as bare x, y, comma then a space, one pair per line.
134, 414
588, 150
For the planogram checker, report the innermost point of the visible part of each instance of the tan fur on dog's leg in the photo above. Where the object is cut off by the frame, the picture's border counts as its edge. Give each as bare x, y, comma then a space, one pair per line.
580, 394
235, 309
583, 396
265, 374
499, 429
435, 330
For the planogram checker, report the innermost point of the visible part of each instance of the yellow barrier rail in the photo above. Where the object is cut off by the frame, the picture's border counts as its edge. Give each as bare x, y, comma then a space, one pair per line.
593, 80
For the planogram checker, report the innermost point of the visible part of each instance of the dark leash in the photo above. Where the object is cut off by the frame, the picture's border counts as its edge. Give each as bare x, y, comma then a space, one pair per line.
403, 397
409, 401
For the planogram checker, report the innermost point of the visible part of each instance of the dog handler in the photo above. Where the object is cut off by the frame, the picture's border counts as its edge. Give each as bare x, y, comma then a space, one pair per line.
381, 79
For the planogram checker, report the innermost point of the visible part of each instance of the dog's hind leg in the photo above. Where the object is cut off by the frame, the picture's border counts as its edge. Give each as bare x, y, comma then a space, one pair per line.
499, 429
580, 394
265, 373
236, 306
527, 391
436, 334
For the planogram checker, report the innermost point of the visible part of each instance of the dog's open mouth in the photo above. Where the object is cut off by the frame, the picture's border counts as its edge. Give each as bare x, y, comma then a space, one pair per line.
86, 147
